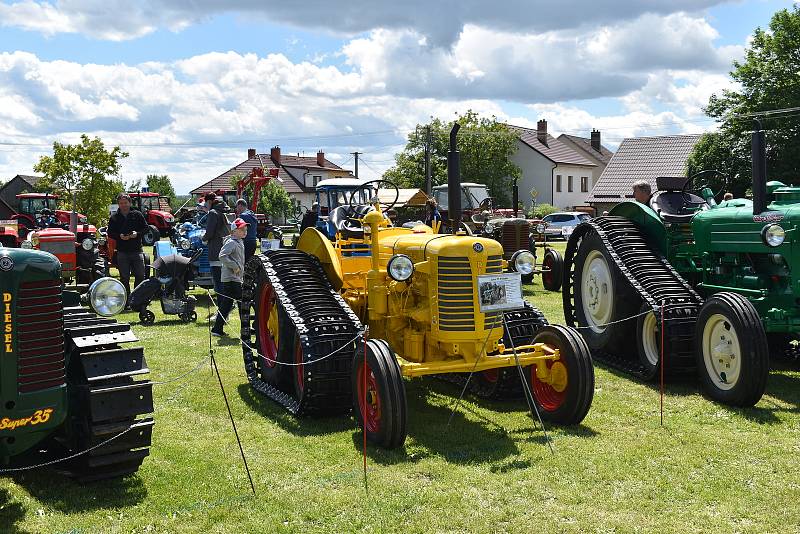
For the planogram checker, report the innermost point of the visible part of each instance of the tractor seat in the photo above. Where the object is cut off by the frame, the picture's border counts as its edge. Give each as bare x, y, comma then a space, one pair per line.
674, 206
345, 220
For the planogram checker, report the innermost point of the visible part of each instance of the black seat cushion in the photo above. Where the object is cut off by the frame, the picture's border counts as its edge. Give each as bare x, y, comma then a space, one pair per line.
674, 206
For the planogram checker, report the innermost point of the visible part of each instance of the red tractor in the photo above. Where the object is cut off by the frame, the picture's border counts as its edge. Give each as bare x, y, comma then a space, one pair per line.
157, 213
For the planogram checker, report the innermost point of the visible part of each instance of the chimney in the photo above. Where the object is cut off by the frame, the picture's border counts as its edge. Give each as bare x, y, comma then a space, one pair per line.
251, 153
596, 140
541, 131
275, 154
320, 158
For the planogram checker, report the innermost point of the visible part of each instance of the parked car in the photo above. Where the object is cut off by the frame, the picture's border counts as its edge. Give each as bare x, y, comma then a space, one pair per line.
561, 223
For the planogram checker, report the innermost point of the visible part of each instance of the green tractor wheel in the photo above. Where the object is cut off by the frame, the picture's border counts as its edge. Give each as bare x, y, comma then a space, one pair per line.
732, 350
379, 395
603, 299
566, 399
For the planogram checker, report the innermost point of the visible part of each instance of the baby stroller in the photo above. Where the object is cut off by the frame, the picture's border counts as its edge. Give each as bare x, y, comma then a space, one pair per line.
168, 283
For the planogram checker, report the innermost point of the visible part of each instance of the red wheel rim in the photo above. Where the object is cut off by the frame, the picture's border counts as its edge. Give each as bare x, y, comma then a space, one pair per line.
491, 375
266, 338
299, 368
369, 402
549, 398
547, 272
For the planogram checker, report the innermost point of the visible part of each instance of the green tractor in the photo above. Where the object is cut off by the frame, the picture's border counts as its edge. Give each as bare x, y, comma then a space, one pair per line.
720, 280
69, 382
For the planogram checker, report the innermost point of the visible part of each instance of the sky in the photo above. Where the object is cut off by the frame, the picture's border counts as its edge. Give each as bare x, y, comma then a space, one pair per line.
186, 87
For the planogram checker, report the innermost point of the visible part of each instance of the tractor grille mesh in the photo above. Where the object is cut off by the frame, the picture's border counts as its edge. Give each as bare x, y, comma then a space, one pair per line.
40, 336
57, 247
514, 237
456, 287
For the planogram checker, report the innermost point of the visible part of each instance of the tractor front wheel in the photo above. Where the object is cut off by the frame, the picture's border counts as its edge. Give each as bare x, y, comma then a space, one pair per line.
151, 235
732, 350
379, 395
552, 269
564, 395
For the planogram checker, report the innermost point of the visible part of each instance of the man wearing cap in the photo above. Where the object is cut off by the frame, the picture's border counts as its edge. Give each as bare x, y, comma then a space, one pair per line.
247, 216
231, 256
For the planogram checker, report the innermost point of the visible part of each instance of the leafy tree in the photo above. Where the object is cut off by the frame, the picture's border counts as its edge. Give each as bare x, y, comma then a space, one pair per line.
161, 184
768, 79
485, 146
85, 169
541, 210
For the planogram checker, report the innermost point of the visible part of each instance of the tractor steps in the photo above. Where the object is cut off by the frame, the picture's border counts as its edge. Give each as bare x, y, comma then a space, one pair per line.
323, 323
653, 278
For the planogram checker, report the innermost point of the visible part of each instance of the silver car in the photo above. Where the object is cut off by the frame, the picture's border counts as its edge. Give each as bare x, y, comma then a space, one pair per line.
561, 223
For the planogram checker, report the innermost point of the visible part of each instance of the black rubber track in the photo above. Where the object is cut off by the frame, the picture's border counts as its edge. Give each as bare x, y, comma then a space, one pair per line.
652, 277
323, 323
108, 393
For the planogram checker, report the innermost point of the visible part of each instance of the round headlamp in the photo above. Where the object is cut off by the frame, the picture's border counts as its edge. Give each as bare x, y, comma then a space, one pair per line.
87, 243
540, 228
400, 267
185, 243
523, 262
107, 296
773, 235
83, 219
488, 228
102, 240
26, 244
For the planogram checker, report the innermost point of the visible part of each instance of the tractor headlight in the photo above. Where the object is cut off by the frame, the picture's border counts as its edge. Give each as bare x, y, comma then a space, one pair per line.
185, 244
87, 243
773, 235
26, 244
102, 240
540, 228
523, 262
400, 267
107, 296
488, 228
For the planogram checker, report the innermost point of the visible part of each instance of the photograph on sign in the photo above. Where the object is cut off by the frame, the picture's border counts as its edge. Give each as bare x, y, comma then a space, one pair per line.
500, 292
270, 244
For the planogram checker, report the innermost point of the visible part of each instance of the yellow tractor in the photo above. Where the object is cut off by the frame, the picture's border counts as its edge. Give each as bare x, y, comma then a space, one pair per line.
434, 305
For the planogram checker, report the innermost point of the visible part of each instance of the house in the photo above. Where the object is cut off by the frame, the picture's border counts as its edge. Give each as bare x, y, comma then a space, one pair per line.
21, 183
298, 175
560, 170
591, 149
641, 158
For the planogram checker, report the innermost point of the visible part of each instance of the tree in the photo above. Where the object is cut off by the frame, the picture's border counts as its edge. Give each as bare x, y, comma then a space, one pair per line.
485, 146
161, 184
86, 170
768, 80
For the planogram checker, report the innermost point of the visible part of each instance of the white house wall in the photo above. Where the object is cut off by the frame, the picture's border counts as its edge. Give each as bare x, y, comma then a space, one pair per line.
536, 172
566, 199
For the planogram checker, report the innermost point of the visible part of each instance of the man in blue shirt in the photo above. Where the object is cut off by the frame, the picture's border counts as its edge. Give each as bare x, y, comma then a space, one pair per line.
250, 240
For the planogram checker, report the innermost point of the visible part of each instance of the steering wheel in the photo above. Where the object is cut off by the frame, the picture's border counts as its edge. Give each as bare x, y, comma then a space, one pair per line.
686, 190
377, 186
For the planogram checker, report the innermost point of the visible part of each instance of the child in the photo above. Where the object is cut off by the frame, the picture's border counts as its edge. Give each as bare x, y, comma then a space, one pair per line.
231, 255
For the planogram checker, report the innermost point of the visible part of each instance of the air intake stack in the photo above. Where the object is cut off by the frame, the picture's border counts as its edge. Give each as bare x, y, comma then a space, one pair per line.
454, 181
758, 146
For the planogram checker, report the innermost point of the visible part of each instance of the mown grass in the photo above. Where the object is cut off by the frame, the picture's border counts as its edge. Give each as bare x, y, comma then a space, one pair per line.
708, 469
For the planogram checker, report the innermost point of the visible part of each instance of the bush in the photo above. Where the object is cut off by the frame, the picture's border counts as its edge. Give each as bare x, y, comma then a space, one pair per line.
541, 210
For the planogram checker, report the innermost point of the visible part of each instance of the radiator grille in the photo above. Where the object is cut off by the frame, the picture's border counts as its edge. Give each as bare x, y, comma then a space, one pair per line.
40, 336
514, 237
57, 247
456, 287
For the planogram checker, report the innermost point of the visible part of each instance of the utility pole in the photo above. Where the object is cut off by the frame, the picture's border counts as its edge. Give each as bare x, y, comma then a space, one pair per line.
355, 155
428, 160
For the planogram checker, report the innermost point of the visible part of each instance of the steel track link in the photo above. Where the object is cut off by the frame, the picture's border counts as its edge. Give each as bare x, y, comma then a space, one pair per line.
323, 321
652, 276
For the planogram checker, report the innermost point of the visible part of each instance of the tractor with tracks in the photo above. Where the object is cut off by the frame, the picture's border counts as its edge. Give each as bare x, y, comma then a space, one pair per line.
428, 304
70, 381
712, 282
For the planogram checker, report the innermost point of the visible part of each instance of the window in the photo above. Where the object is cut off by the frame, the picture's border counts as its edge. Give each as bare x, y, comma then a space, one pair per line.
584, 184
569, 184
558, 183
316, 180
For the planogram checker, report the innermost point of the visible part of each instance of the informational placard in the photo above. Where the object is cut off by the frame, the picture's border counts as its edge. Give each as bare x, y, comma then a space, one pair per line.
500, 292
270, 244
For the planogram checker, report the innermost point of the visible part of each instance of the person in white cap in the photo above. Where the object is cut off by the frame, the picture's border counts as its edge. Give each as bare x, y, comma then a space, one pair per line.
231, 256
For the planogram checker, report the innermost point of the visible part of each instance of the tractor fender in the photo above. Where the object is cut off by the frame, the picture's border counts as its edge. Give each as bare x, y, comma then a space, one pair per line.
315, 243
647, 220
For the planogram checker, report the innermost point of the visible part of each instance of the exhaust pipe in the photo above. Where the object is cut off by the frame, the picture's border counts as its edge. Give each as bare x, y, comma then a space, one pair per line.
515, 197
454, 181
759, 148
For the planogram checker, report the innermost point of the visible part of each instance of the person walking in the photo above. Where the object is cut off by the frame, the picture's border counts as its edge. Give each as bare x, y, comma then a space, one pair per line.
126, 227
250, 240
216, 230
231, 255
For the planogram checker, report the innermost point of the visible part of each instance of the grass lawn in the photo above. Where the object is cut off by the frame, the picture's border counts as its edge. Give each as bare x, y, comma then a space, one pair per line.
708, 469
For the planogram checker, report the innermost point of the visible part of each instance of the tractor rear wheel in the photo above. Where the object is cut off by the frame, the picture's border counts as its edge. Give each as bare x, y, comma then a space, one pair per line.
603, 299
552, 269
379, 395
648, 341
732, 350
151, 235
566, 396
275, 335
